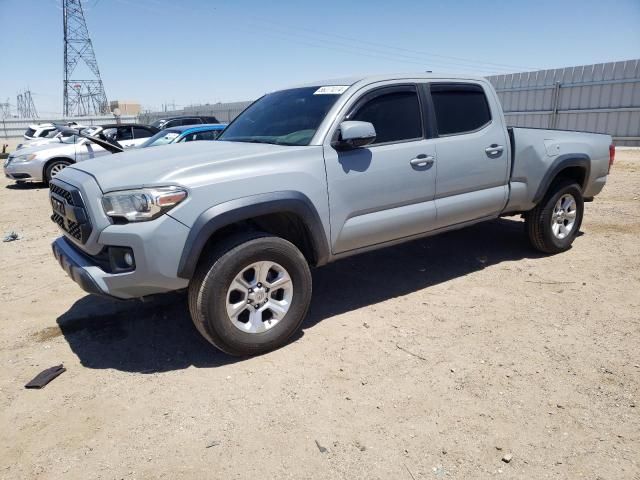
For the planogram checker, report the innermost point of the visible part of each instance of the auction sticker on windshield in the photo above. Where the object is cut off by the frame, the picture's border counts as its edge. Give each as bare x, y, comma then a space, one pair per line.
331, 90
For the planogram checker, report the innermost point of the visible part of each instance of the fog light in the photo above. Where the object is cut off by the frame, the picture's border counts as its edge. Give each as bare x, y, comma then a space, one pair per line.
128, 259
121, 259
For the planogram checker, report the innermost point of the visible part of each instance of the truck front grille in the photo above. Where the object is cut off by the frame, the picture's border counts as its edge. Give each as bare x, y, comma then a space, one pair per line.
69, 212
61, 192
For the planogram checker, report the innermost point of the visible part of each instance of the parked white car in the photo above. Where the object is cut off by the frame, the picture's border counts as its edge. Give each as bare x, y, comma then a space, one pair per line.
54, 136
39, 130
42, 163
42, 130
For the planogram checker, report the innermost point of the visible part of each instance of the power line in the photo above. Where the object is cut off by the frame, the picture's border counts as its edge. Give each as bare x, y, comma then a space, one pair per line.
357, 46
368, 52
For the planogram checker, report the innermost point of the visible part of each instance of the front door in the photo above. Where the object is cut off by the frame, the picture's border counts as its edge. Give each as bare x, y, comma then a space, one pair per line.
384, 191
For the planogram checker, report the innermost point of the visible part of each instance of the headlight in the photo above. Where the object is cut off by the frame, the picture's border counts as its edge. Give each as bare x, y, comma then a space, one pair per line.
23, 158
144, 204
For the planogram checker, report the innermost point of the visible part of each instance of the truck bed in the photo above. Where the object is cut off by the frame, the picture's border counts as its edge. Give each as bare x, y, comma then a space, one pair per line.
537, 155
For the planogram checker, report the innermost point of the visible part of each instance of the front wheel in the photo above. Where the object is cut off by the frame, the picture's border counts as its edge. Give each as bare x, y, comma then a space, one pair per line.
250, 293
54, 168
554, 223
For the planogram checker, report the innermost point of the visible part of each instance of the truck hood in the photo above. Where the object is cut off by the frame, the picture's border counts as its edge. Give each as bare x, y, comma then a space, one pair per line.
186, 164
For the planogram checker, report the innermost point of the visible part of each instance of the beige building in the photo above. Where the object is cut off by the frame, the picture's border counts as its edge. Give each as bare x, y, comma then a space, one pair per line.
126, 107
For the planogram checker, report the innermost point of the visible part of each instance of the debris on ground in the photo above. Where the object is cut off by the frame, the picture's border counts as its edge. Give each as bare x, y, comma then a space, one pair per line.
507, 458
44, 377
320, 447
13, 236
215, 443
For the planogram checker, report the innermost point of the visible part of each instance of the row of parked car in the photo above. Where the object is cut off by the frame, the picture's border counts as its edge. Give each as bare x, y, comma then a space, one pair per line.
52, 147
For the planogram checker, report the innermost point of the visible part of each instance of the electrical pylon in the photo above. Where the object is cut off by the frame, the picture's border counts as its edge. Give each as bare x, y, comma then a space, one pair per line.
81, 96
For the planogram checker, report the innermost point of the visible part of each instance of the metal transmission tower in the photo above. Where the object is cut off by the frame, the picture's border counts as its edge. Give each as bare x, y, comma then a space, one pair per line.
26, 107
81, 97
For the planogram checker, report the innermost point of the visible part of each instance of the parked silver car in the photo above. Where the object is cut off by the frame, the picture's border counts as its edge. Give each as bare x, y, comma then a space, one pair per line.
42, 163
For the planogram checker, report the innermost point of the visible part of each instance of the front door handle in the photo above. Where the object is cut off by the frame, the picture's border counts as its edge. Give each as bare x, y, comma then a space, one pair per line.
494, 150
422, 161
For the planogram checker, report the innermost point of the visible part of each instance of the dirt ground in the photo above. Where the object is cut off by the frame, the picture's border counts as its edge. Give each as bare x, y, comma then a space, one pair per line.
434, 359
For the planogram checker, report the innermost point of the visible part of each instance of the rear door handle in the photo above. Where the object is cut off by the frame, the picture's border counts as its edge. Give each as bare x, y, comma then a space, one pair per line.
422, 161
494, 150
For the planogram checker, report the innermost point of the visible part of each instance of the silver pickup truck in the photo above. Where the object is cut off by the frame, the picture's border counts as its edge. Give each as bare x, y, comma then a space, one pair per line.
307, 176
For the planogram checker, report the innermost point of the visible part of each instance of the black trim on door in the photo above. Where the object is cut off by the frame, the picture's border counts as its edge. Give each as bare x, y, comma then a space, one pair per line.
428, 111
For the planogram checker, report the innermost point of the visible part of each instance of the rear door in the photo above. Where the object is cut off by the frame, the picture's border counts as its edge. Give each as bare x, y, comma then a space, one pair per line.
472, 153
380, 192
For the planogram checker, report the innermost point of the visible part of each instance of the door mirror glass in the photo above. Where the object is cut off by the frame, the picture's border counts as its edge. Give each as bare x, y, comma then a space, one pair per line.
354, 134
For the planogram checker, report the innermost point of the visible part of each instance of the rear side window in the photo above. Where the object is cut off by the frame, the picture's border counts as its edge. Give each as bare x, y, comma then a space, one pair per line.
190, 121
459, 108
141, 132
205, 135
176, 122
395, 116
124, 133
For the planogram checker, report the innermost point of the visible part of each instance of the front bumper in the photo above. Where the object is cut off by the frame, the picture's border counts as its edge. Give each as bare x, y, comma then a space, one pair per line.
31, 171
76, 266
156, 246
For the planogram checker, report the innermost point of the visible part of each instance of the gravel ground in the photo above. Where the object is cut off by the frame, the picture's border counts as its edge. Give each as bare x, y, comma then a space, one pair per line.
434, 359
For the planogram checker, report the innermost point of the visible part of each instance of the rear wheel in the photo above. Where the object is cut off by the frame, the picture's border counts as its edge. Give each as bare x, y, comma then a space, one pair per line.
553, 224
54, 168
250, 293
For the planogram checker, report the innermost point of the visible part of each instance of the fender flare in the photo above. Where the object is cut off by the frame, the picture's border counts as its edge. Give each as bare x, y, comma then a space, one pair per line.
227, 213
581, 160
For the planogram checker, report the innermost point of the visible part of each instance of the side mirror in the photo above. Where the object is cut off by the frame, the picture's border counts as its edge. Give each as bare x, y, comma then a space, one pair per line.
354, 134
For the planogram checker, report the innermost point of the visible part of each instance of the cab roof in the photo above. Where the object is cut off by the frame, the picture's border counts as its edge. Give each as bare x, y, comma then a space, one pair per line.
367, 79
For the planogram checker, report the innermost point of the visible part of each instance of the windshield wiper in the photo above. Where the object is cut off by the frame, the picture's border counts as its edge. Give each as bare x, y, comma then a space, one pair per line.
255, 140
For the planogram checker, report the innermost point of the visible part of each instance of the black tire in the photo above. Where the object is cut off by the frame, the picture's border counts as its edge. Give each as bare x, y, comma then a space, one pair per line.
217, 269
49, 171
539, 220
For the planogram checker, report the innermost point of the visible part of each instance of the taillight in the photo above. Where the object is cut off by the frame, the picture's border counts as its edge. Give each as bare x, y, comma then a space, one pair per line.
612, 155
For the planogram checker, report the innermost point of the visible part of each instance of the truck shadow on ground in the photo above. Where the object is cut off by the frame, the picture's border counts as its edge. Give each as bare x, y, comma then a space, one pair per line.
26, 186
157, 335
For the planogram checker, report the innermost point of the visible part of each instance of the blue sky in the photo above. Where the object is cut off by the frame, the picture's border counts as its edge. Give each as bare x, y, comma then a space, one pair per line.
198, 51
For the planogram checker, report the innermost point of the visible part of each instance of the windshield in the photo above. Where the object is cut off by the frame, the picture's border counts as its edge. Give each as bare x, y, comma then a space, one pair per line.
158, 123
287, 117
161, 138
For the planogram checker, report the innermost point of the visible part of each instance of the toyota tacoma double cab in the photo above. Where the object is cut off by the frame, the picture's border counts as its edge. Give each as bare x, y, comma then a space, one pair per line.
310, 175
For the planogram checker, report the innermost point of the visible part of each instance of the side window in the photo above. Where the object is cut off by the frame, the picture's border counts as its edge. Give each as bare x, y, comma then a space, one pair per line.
172, 123
139, 132
395, 116
190, 121
206, 135
459, 108
124, 133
